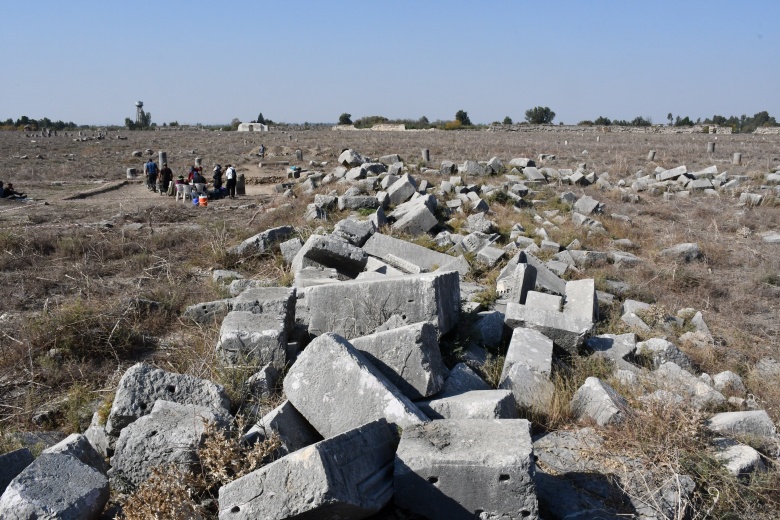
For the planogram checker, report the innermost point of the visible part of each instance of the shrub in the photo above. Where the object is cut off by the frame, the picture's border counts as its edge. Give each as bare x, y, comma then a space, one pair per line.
539, 115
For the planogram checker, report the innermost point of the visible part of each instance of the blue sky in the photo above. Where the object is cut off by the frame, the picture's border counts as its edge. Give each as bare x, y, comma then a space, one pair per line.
310, 60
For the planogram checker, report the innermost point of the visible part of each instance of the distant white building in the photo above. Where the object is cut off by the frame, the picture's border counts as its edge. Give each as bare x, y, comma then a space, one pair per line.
252, 127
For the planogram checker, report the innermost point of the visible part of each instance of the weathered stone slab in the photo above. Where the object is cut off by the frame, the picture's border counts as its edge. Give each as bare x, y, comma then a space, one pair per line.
659, 351
529, 347
581, 299
669, 376
408, 356
246, 338
489, 328
751, 424
263, 241
356, 308
337, 389
170, 434
354, 231
587, 205
349, 476
142, 385
738, 459
618, 348
516, 281
544, 301
416, 221
209, 313
476, 404
597, 401
327, 251
454, 469
546, 280
56, 486
686, 252
380, 245
277, 302
567, 332
350, 158
356, 202
401, 190
532, 390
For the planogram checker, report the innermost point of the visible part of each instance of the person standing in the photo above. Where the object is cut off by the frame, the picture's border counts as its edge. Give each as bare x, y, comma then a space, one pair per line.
230, 176
166, 177
151, 174
261, 151
217, 177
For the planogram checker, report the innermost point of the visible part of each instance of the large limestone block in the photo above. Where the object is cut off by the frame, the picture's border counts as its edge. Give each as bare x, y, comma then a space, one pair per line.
530, 347
659, 351
208, 313
755, 423
567, 331
143, 384
263, 241
337, 389
597, 401
530, 389
246, 338
581, 300
327, 251
346, 477
408, 356
278, 302
355, 308
618, 348
465, 469
417, 221
170, 434
477, 404
380, 245
401, 190
56, 486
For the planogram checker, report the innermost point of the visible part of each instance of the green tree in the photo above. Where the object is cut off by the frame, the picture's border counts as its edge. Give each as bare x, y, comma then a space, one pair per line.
129, 124
507, 120
539, 115
345, 119
602, 121
463, 117
670, 118
641, 121
260, 119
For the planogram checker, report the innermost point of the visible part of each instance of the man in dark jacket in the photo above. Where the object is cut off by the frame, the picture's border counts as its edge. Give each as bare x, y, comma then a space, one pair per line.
166, 177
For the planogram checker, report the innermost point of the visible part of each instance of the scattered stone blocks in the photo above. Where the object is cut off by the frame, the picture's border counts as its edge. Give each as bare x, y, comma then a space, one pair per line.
669, 376
349, 476
752, 424
337, 389
458, 469
263, 241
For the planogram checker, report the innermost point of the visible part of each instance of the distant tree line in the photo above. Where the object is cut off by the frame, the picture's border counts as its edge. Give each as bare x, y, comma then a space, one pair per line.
742, 124
36, 124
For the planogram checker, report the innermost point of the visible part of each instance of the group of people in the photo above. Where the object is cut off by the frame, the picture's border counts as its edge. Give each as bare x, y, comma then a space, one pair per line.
8, 192
161, 179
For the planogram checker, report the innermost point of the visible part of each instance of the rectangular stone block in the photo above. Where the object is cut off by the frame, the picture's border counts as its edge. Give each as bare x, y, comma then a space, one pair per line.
529, 347
462, 379
544, 301
349, 476
408, 356
327, 251
581, 299
567, 331
356, 308
466, 469
337, 389
252, 339
417, 221
476, 404
278, 302
515, 282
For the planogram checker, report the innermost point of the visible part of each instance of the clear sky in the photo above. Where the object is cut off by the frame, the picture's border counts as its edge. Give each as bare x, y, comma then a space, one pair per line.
310, 60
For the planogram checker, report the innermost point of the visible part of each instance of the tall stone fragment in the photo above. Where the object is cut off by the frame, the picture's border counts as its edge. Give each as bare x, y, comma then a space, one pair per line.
529, 347
355, 308
337, 389
581, 300
78, 446
347, 477
464, 469
408, 356
142, 385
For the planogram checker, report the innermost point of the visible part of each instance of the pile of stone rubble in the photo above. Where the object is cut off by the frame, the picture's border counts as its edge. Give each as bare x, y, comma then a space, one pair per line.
372, 415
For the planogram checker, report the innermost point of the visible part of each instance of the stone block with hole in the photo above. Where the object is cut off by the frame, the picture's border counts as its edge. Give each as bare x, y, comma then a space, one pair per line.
476, 404
329, 251
348, 476
142, 385
336, 388
355, 308
465, 469
408, 356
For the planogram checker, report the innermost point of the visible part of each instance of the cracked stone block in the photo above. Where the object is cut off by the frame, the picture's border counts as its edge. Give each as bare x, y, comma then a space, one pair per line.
408, 356
328, 251
293, 429
246, 338
567, 331
476, 404
336, 388
599, 402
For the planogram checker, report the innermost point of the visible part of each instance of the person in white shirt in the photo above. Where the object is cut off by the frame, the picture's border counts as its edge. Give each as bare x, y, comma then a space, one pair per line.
230, 176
